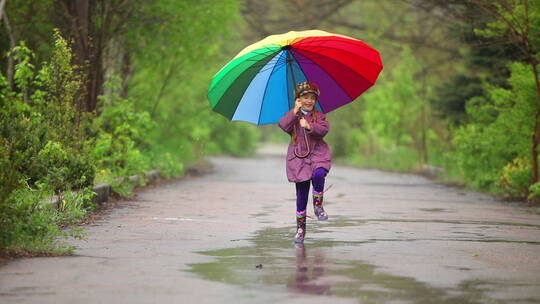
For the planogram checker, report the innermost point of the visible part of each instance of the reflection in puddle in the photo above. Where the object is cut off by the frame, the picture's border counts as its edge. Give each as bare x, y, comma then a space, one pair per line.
327, 268
309, 275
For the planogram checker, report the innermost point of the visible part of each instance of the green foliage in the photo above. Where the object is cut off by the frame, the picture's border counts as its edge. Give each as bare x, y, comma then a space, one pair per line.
63, 168
238, 140
49, 145
121, 142
42, 151
534, 193
450, 100
169, 164
514, 16
383, 128
73, 206
514, 178
486, 60
31, 22
174, 89
24, 69
494, 145
60, 75
21, 139
31, 225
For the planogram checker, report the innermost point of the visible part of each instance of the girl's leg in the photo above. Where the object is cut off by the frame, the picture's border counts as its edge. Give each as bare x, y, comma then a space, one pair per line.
318, 179
302, 193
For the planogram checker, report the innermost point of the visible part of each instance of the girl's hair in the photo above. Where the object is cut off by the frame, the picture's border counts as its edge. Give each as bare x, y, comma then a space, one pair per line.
314, 114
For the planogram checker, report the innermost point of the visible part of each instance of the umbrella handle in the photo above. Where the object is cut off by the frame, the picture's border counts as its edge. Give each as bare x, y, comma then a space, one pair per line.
307, 145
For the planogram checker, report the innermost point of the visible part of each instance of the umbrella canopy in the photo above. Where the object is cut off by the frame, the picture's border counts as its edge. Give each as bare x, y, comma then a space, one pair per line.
257, 85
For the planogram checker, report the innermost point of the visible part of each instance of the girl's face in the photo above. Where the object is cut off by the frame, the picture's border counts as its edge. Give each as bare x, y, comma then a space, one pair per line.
308, 101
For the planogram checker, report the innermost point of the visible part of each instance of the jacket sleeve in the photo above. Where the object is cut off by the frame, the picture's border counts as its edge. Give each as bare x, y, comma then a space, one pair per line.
286, 123
319, 128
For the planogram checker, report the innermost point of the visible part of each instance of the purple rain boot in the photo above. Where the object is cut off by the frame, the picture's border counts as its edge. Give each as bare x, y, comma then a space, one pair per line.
318, 206
300, 227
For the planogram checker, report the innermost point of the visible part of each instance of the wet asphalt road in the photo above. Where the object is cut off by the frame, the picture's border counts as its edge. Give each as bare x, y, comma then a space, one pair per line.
227, 237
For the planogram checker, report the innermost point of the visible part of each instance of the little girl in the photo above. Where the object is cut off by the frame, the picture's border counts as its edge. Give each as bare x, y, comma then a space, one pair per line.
308, 156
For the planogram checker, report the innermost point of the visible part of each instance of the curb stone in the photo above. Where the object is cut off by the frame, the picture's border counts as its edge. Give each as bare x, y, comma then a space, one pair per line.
103, 191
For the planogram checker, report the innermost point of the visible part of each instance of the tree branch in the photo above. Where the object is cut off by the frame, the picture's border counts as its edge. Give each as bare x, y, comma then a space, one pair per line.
2, 5
162, 88
12, 44
514, 33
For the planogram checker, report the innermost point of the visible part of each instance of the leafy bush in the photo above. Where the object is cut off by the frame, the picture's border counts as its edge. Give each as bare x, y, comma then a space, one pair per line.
237, 139
43, 151
534, 193
168, 164
64, 169
121, 143
515, 178
21, 139
29, 225
492, 151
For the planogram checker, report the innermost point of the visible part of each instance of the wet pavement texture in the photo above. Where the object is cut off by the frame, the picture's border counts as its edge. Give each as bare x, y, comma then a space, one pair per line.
227, 236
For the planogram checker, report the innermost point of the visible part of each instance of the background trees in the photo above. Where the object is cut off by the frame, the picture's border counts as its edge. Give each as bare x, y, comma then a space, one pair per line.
120, 87
454, 91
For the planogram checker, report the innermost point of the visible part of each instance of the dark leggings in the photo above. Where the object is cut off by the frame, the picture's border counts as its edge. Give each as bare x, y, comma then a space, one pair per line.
302, 188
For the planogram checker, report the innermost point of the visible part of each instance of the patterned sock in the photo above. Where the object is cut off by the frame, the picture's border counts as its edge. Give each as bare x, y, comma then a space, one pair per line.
317, 193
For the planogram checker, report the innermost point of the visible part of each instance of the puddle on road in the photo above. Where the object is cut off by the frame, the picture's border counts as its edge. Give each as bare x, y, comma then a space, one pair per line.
320, 268
461, 222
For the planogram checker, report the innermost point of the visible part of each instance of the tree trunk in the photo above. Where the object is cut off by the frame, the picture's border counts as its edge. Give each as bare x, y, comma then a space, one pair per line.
12, 43
76, 18
117, 62
164, 84
536, 132
126, 71
2, 5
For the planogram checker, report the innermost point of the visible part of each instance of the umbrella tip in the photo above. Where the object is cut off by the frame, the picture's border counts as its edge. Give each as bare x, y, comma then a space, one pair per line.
286, 47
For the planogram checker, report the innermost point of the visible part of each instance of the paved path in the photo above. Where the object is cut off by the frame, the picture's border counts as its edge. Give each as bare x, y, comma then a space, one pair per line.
227, 236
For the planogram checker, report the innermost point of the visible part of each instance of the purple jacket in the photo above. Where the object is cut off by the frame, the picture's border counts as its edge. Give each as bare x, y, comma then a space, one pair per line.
301, 169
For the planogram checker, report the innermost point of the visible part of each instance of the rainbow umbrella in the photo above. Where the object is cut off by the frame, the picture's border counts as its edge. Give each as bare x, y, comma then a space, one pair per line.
257, 85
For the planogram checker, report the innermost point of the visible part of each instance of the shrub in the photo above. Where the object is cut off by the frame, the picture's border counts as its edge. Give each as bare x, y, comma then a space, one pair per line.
534, 192
30, 225
491, 151
515, 178
121, 145
43, 150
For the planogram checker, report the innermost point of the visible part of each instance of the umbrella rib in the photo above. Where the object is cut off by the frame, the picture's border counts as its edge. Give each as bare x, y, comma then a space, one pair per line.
328, 54
234, 81
345, 51
265, 90
327, 39
298, 63
266, 51
277, 64
333, 79
238, 104
336, 61
237, 66
342, 50
292, 69
306, 75
314, 43
249, 59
